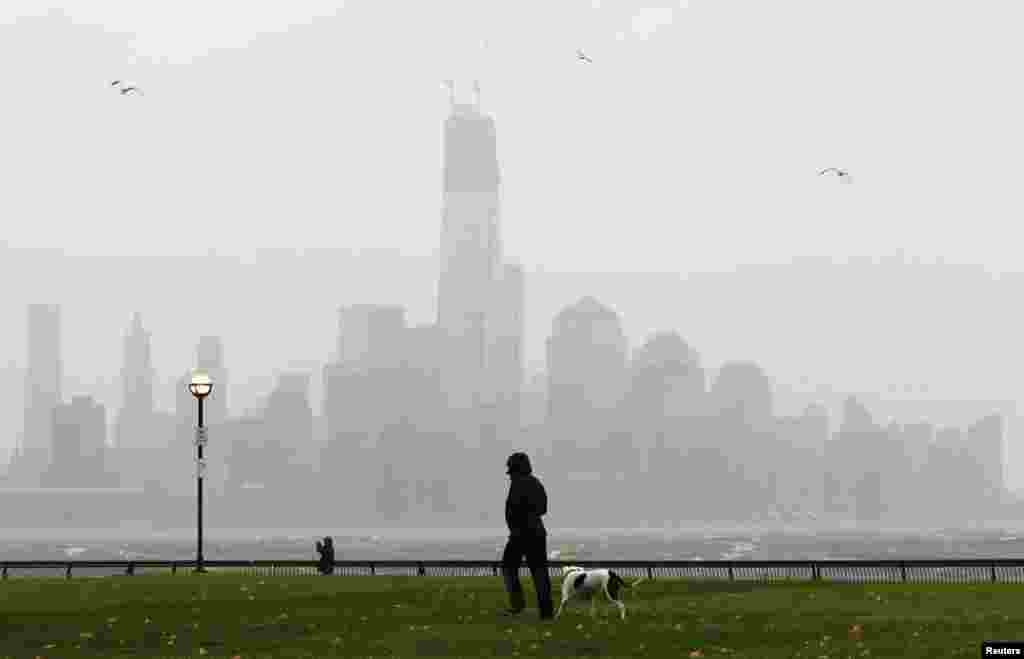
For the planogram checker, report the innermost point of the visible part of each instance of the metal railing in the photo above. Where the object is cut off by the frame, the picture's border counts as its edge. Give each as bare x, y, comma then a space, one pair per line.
1002, 570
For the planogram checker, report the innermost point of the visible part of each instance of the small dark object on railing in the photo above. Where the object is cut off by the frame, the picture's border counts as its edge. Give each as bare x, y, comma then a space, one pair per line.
5, 571
67, 575
131, 570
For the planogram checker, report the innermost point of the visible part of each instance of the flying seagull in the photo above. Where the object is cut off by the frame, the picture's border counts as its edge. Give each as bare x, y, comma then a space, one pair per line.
127, 90
843, 175
115, 83
580, 55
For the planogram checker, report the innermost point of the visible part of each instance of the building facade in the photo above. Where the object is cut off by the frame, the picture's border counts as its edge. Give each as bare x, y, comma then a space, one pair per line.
135, 419
479, 303
79, 446
43, 392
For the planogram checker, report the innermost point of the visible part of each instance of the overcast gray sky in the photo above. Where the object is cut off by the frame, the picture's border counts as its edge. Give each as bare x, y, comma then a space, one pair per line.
692, 142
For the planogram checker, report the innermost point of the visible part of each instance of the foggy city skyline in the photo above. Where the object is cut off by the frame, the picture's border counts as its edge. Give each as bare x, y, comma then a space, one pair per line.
662, 201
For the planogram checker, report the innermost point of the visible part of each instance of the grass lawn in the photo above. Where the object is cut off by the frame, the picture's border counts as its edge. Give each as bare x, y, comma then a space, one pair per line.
228, 615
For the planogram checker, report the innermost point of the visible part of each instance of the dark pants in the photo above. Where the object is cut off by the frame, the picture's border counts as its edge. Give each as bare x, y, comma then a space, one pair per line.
534, 549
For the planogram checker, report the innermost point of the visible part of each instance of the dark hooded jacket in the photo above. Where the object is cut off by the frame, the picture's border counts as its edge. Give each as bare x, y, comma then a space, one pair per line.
527, 501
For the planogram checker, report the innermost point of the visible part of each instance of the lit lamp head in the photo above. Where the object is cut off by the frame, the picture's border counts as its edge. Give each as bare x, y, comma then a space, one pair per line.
201, 384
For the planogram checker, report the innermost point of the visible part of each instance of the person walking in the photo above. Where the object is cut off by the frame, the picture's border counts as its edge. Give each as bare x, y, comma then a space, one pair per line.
527, 502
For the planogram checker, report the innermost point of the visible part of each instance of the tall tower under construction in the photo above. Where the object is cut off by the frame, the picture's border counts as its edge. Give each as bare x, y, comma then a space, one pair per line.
473, 300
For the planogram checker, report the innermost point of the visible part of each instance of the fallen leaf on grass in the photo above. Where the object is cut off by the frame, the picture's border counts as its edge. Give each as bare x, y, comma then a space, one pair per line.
696, 653
856, 633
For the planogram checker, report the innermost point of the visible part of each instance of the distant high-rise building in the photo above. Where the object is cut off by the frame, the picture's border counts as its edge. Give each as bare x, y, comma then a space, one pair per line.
666, 379
917, 437
371, 336
587, 363
506, 330
424, 361
985, 444
288, 427
12, 391
857, 417
136, 415
365, 389
79, 445
742, 391
471, 254
43, 392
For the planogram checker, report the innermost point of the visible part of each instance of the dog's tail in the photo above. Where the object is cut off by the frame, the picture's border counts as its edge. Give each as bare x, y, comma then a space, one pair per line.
635, 583
622, 582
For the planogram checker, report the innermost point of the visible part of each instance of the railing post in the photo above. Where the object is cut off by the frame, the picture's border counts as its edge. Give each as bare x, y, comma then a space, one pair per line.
131, 570
993, 573
373, 569
494, 569
815, 571
174, 567
67, 574
903, 570
650, 572
5, 571
731, 577
420, 570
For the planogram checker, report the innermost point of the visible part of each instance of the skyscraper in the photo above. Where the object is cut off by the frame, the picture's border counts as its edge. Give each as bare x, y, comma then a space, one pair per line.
79, 445
370, 336
135, 417
470, 253
42, 390
985, 446
506, 343
587, 355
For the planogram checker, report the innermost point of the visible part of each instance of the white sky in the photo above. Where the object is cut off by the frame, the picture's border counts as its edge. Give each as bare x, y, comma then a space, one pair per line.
692, 142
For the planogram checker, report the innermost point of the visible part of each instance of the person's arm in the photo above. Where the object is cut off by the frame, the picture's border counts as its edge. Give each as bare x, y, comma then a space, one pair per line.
542, 500
514, 512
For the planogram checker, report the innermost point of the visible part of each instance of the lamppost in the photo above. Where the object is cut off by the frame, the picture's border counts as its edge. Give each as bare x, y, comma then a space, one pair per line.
200, 386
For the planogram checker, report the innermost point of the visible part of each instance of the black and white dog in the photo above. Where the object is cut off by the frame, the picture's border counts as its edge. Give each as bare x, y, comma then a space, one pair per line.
582, 584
